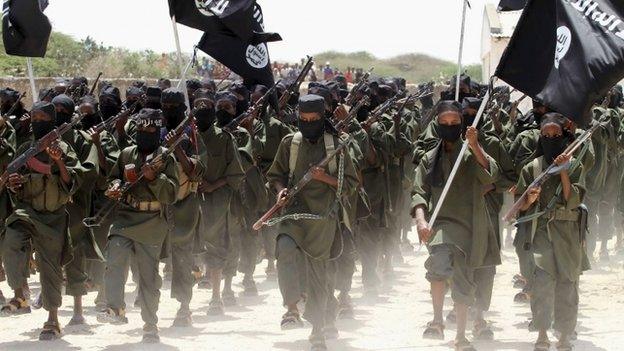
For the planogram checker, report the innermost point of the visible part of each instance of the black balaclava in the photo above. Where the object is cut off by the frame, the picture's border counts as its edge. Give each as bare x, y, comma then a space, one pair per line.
174, 114
470, 103
152, 98
90, 120
223, 116
450, 133
192, 85
203, 109
241, 104
110, 102
132, 95
552, 147
8, 97
148, 142
41, 128
311, 103
68, 105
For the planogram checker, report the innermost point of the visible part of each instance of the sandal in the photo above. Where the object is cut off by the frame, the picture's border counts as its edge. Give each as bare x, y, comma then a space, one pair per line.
434, 330
482, 331
464, 345
228, 297
16, 306
112, 317
183, 319
317, 343
542, 346
291, 320
215, 308
150, 334
51, 331
250, 287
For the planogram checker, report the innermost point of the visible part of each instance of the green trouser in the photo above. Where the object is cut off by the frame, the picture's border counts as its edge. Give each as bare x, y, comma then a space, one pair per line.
556, 298
291, 270
368, 242
269, 235
484, 279
447, 262
321, 305
49, 249
76, 273
526, 261
146, 257
345, 264
182, 280
592, 223
243, 252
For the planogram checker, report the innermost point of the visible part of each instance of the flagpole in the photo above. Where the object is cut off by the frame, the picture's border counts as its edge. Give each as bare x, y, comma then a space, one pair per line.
461, 49
182, 70
449, 181
31, 78
186, 69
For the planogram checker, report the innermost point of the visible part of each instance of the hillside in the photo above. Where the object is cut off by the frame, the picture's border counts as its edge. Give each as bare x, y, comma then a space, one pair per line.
413, 67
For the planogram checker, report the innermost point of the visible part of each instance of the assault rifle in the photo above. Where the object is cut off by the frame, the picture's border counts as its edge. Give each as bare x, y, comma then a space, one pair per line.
352, 113
252, 112
111, 122
380, 110
295, 86
39, 146
549, 172
351, 98
132, 178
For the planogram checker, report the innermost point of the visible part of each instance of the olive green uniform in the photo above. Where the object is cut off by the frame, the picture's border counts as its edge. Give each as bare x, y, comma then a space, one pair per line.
557, 249
313, 238
7, 152
462, 239
40, 215
84, 244
222, 161
185, 217
140, 228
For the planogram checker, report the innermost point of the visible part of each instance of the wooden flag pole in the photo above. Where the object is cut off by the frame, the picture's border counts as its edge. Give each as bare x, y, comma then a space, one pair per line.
182, 70
31, 78
449, 181
461, 49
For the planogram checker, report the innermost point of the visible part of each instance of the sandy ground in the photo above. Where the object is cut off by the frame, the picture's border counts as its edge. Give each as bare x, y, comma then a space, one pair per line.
394, 322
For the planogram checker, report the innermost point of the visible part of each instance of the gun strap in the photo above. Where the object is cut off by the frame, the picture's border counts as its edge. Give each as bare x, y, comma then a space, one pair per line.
330, 147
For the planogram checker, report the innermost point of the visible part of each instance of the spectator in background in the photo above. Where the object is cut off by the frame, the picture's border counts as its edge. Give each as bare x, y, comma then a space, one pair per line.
349, 76
328, 73
358, 74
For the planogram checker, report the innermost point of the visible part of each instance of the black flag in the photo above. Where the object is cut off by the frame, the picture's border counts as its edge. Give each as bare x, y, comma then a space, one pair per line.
231, 17
247, 60
566, 53
511, 5
25, 29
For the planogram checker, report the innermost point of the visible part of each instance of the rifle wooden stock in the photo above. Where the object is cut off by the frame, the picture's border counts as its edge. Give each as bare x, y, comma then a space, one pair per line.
548, 172
94, 86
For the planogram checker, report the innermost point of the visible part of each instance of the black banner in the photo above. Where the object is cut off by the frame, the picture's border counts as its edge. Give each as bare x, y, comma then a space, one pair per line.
511, 5
247, 60
566, 53
230, 17
25, 29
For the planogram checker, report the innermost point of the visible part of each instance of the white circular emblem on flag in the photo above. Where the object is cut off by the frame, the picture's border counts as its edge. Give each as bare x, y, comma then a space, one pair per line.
564, 39
203, 6
257, 55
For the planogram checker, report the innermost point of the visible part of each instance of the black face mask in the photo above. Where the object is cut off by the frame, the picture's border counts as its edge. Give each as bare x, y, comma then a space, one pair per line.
241, 106
147, 142
89, 121
469, 120
4, 109
552, 147
174, 115
109, 111
41, 128
224, 118
450, 133
205, 118
153, 104
312, 130
128, 104
362, 114
62, 117
293, 100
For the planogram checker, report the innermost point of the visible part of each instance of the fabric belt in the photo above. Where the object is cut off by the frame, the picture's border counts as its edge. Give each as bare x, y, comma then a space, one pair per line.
148, 206
564, 215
